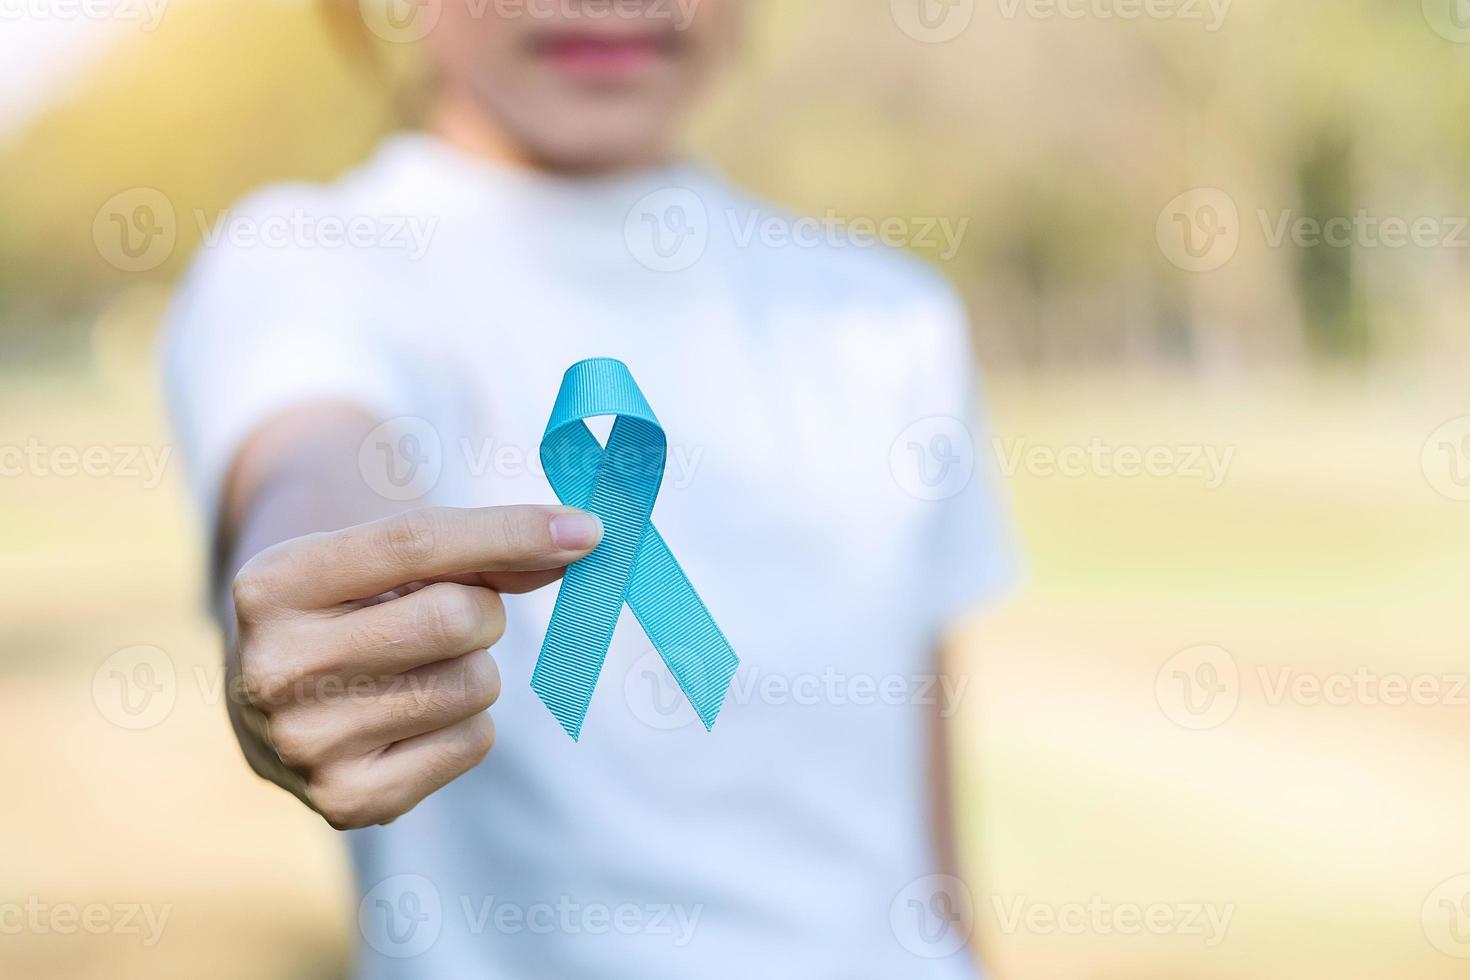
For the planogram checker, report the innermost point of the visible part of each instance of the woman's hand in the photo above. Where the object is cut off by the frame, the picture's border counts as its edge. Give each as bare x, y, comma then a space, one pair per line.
363, 672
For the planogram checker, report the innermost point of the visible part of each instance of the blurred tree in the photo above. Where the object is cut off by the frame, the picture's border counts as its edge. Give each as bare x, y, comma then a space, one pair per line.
223, 97
1336, 319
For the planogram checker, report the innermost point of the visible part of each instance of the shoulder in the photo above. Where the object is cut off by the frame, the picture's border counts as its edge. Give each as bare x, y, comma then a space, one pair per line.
301, 244
832, 262
887, 320
288, 256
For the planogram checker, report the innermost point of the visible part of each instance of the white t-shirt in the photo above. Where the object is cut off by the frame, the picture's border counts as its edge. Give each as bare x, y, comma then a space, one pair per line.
825, 493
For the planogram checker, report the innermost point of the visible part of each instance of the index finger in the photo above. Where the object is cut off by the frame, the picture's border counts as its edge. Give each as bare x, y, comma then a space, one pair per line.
370, 559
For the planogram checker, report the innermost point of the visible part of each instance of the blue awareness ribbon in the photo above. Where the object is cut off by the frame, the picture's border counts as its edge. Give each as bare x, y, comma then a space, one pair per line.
632, 565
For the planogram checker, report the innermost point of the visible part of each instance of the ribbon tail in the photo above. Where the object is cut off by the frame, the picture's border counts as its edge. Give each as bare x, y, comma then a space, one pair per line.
576, 644
681, 628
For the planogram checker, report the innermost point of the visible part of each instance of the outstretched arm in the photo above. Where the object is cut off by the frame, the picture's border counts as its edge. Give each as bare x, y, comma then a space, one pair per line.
358, 632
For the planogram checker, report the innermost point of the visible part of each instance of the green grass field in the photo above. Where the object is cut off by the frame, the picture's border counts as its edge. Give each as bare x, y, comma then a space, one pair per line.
1318, 831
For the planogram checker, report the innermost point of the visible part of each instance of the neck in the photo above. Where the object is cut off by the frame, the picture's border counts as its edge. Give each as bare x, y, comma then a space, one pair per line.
458, 122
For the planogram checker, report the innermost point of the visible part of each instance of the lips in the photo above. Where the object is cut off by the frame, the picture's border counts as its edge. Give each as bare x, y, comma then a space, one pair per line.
603, 56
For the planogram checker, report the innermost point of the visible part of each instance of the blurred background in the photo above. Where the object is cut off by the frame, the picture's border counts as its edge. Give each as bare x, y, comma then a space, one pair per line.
1218, 258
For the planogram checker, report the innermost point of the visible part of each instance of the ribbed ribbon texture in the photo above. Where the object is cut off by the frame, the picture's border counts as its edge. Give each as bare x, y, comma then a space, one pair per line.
632, 565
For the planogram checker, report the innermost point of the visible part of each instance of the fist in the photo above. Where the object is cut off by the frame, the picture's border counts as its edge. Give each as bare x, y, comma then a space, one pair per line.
362, 656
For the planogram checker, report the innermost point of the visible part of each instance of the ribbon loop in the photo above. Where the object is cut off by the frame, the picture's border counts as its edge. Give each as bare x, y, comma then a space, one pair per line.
619, 483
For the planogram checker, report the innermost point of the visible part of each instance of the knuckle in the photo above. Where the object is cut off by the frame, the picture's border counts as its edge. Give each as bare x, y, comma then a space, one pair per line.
267, 683
252, 588
522, 532
492, 618
451, 616
293, 742
468, 750
478, 741
374, 633
410, 540
481, 681
425, 699
345, 804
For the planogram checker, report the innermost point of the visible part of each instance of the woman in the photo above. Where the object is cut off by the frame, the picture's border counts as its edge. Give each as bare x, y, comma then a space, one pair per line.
362, 413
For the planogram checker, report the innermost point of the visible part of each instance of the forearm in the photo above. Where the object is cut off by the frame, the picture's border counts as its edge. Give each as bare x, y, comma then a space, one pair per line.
941, 784
298, 475
942, 798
